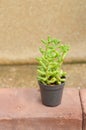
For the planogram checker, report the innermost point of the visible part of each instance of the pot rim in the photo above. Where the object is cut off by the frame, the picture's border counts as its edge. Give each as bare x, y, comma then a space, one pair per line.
51, 87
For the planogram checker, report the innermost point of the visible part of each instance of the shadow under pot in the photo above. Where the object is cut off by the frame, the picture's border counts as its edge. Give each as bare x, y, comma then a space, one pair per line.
51, 95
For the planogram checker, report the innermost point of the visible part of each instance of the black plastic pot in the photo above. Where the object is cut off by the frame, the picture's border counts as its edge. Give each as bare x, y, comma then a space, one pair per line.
51, 95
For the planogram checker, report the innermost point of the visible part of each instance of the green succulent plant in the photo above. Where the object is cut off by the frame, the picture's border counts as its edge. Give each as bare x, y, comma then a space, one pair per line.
50, 63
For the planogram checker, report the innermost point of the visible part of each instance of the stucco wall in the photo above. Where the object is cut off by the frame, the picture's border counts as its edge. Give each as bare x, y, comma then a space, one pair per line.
24, 22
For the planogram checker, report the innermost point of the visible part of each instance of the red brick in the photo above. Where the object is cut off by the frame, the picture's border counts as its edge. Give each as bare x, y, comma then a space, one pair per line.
21, 109
83, 102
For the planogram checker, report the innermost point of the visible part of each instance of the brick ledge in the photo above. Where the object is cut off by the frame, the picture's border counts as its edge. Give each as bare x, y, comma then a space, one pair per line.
21, 109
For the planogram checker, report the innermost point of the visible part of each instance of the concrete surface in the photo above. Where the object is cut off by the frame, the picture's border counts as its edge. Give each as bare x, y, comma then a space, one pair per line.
24, 22
21, 109
83, 100
25, 75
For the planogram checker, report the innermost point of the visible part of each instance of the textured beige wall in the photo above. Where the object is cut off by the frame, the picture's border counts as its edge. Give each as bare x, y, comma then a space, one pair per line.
24, 22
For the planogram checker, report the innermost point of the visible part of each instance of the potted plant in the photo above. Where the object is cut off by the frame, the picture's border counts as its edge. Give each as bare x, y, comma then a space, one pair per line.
51, 77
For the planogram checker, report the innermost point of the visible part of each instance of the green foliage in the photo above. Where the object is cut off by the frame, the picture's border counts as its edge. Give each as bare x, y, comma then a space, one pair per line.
50, 63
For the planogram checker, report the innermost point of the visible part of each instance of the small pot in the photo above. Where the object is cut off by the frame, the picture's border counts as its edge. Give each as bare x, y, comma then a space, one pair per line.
51, 95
